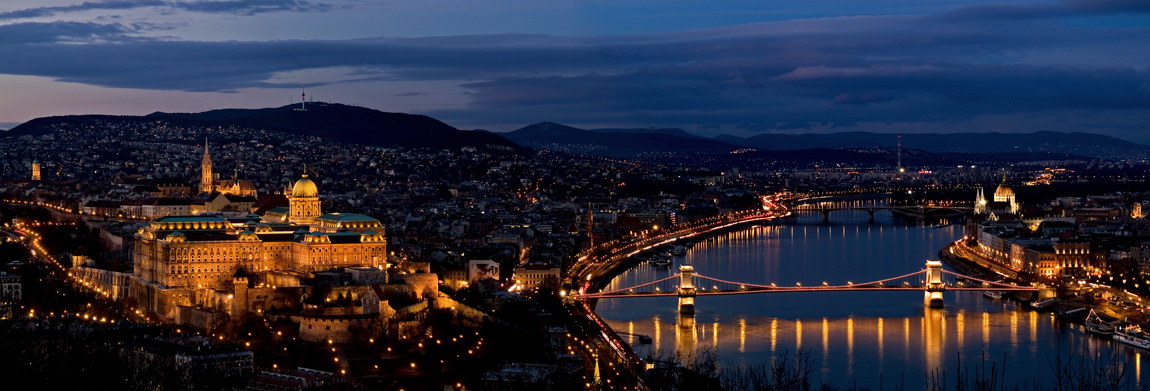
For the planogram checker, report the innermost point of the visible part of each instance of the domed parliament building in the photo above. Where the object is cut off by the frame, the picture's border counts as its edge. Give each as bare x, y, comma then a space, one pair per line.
1004, 201
214, 262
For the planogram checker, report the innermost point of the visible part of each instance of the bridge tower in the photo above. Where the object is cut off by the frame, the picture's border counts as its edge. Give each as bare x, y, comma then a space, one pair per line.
686, 289
934, 285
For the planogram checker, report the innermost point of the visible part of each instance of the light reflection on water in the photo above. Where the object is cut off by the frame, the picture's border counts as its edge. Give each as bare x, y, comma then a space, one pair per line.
850, 336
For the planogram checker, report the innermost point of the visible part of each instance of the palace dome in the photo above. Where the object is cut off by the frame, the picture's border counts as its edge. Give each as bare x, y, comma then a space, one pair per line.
304, 188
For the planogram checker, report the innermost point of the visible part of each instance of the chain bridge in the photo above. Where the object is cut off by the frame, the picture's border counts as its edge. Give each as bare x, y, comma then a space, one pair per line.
686, 284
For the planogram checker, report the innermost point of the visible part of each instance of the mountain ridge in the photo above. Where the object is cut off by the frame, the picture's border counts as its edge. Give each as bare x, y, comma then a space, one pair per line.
967, 142
551, 135
331, 120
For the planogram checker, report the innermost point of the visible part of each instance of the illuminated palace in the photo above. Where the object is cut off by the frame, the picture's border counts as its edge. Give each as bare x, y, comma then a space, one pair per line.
211, 261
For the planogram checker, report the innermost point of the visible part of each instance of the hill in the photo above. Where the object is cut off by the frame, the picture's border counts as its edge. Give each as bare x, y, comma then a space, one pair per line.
853, 156
615, 142
334, 121
1036, 142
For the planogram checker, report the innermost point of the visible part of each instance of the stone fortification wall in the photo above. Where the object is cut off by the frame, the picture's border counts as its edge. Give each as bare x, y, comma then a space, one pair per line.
277, 279
339, 329
268, 299
425, 285
195, 317
161, 302
114, 285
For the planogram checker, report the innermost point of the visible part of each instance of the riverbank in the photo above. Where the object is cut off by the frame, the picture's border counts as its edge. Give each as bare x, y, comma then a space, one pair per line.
596, 269
1070, 298
972, 258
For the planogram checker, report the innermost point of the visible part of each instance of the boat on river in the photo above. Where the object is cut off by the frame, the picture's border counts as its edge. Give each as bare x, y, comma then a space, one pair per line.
995, 295
679, 250
1045, 303
1097, 326
1073, 314
1131, 334
660, 260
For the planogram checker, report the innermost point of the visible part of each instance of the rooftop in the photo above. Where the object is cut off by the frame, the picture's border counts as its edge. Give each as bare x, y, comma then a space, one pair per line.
190, 219
345, 217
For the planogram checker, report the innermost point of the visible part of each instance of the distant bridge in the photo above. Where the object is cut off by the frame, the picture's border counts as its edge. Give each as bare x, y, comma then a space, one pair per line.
919, 210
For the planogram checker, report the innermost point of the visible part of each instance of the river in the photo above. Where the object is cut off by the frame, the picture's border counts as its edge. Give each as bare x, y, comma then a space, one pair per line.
859, 339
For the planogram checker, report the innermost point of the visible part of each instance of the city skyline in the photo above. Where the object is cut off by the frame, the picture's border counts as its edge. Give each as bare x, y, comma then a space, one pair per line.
732, 67
212, 261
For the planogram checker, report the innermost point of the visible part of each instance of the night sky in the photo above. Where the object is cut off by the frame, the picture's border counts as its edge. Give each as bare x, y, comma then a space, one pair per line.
710, 67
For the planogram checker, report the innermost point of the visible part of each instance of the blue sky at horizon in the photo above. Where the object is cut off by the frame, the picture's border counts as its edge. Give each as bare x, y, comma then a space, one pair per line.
714, 67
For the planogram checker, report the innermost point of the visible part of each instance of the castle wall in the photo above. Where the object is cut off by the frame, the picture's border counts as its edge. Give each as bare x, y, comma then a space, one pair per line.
423, 284
195, 317
277, 279
339, 329
110, 240
114, 285
267, 299
155, 300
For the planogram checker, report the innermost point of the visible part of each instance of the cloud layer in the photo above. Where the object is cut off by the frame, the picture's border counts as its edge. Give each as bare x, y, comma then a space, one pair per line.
1063, 62
238, 7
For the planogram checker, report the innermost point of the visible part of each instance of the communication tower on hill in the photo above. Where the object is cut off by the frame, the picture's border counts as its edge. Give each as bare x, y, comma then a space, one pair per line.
302, 99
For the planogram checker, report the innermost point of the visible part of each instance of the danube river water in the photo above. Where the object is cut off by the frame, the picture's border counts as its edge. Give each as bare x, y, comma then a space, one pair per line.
859, 339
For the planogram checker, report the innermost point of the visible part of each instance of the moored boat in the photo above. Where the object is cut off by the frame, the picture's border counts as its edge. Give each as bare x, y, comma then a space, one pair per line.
1045, 303
992, 294
660, 260
1132, 334
1073, 314
1095, 325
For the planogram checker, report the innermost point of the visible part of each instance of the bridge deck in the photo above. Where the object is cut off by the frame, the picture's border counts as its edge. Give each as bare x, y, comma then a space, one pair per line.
802, 289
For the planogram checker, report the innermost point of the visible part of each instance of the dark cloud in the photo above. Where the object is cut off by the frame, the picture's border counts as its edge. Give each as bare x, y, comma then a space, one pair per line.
836, 99
68, 33
856, 98
251, 7
861, 72
86, 6
1065, 8
411, 94
241, 7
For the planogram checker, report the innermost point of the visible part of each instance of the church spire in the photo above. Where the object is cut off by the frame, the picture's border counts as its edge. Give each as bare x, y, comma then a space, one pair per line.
206, 170
980, 201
